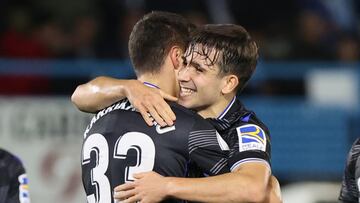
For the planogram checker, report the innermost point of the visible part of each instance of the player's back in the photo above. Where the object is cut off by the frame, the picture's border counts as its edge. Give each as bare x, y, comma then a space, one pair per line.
118, 143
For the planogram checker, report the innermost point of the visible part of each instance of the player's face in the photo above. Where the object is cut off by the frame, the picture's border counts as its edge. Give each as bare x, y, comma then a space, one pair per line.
200, 83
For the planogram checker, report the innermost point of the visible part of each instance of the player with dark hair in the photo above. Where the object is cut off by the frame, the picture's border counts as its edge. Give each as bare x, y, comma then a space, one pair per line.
13, 180
351, 180
218, 63
118, 143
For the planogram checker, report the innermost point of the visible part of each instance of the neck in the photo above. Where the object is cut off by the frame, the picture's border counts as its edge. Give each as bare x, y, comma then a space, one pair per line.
216, 109
163, 80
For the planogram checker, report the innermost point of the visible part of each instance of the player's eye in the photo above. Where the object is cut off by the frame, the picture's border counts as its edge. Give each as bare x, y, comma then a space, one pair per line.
197, 67
200, 70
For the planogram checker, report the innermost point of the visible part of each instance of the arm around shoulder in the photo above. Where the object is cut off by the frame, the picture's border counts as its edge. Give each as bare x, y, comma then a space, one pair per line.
99, 93
247, 183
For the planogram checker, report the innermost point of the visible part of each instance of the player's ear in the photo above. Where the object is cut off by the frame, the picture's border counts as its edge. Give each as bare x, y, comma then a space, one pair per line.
175, 56
230, 82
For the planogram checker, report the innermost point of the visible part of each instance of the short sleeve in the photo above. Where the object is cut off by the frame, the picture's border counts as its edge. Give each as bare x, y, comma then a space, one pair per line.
250, 144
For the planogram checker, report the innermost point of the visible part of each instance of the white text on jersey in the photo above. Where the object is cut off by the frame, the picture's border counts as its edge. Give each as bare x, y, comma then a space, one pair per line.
124, 105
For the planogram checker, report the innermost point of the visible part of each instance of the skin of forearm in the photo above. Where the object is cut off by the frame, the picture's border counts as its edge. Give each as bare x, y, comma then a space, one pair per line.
99, 93
231, 187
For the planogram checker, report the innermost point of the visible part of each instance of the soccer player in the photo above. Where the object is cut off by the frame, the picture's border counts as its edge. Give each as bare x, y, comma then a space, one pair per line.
351, 180
118, 143
13, 180
220, 61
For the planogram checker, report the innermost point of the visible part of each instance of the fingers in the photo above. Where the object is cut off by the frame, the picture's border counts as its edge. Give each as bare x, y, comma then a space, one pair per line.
153, 103
125, 186
124, 191
154, 113
132, 199
166, 110
162, 108
144, 113
168, 96
165, 114
166, 106
140, 175
149, 112
123, 195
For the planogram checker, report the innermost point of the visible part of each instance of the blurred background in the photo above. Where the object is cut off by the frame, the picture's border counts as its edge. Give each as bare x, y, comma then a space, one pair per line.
306, 87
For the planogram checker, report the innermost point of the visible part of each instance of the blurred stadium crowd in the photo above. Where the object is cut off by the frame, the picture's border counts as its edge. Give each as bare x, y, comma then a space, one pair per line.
285, 30
296, 30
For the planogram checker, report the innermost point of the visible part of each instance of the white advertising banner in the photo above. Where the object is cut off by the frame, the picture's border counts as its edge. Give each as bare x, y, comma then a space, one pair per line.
46, 134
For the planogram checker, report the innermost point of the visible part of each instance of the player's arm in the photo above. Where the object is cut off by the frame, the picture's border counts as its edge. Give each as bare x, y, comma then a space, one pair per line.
104, 91
99, 93
247, 183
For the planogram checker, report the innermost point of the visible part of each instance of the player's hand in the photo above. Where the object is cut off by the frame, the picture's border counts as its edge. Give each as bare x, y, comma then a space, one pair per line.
151, 104
149, 187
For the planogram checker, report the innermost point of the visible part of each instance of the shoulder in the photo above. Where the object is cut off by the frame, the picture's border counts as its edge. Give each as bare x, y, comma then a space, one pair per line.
184, 112
256, 121
187, 116
248, 119
177, 108
252, 133
9, 159
11, 164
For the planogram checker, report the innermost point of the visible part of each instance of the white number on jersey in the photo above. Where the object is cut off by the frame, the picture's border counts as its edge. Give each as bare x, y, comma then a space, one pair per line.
140, 142
145, 149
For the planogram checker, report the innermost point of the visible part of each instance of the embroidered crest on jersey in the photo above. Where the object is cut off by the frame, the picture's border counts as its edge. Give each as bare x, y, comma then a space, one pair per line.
24, 195
251, 137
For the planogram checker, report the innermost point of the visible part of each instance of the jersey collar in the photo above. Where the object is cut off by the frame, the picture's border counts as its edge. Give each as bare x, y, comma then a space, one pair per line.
151, 85
234, 112
227, 111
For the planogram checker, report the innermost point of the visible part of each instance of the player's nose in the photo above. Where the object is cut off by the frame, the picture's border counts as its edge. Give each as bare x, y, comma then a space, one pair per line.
184, 74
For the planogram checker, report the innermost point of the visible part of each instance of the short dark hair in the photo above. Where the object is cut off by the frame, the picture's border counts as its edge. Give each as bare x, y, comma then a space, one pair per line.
235, 51
153, 36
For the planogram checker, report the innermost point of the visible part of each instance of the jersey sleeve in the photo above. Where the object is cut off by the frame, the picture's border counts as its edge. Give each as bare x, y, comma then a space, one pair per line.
248, 143
19, 189
349, 189
207, 150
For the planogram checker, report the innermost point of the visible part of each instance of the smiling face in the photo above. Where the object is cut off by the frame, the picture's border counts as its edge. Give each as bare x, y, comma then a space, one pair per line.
199, 79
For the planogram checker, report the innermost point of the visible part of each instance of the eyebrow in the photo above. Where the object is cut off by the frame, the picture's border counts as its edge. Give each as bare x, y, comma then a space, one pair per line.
196, 65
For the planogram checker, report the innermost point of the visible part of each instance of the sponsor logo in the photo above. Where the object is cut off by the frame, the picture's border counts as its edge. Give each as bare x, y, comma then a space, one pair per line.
251, 137
24, 194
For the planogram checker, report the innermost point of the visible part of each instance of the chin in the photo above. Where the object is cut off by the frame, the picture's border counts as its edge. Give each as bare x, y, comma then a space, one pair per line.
181, 102
185, 103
